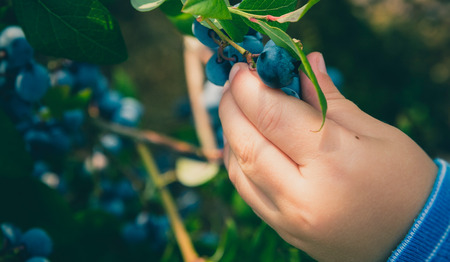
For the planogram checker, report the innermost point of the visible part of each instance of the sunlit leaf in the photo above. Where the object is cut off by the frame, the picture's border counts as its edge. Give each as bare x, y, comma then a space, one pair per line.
297, 14
191, 172
146, 5
207, 8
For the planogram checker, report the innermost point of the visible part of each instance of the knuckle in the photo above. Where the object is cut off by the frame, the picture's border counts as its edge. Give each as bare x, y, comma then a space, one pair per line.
268, 117
246, 156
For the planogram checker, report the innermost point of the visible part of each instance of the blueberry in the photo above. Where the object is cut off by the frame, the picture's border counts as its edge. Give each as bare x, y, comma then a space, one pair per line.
32, 82
85, 75
17, 49
9, 34
11, 233
204, 34
73, 119
290, 92
37, 242
112, 143
62, 77
217, 70
40, 168
114, 206
129, 113
293, 89
17, 108
134, 233
19, 53
109, 103
276, 67
124, 189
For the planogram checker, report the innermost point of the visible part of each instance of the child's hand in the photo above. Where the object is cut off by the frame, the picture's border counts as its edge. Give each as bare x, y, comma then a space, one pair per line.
347, 193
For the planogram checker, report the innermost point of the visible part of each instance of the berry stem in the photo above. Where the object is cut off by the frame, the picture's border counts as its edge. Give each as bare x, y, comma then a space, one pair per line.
184, 241
224, 37
239, 48
249, 16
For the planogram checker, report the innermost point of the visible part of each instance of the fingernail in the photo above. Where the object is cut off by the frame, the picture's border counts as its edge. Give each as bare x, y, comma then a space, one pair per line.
321, 64
233, 72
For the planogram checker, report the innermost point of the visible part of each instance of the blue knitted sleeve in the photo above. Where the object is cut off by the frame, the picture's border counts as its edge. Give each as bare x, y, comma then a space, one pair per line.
429, 237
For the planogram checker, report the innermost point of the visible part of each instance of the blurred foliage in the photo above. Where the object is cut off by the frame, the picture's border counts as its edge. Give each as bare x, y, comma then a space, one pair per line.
395, 59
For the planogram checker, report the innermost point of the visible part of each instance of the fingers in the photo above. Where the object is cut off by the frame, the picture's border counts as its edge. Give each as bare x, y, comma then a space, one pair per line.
257, 158
286, 122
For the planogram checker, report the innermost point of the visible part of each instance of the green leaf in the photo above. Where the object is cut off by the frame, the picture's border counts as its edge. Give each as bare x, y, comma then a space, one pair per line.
14, 159
227, 248
171, 7
284, 40
146, 5
183, 22
235, 28
268, 7
297, 14
207, 8
82, 30
59, 99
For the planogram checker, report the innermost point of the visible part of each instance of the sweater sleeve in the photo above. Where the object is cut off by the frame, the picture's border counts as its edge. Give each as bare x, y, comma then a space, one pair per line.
429, 237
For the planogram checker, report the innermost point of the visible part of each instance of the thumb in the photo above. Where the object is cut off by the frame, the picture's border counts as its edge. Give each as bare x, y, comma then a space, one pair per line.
341, 110
309, 93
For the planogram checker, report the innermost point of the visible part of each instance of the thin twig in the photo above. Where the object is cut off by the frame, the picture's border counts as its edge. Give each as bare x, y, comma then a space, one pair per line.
195, 80
154, 137
184, 241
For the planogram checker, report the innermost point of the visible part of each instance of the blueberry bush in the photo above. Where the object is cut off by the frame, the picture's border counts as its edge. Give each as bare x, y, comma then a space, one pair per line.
87, 170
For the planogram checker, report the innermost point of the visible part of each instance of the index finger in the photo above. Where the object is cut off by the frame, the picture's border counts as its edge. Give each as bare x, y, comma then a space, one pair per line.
287, 122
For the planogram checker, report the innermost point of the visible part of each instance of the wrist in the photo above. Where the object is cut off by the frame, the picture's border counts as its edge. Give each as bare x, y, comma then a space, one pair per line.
429, 237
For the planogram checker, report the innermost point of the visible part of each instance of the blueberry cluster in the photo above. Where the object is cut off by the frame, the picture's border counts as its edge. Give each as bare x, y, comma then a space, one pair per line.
147, 227
275, 66
33, 245
24, 84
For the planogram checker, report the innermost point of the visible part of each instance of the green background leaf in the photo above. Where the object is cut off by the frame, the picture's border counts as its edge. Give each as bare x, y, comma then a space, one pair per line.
207, 8
82, 30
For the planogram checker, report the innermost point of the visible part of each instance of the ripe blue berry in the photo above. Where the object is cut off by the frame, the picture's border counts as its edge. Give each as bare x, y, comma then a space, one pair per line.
293, 89
276, 67
109, 103
37, 242
72, 120
32, 82
134, 233
204, 34
129, 113
10, 233
17, 50
19, 53
217, 70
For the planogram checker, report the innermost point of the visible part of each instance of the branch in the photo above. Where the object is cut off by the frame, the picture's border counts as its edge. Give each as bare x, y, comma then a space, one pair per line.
184, 241
154, 137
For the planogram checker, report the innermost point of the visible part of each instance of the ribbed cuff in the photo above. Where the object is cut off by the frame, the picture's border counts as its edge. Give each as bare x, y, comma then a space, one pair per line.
429, 237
